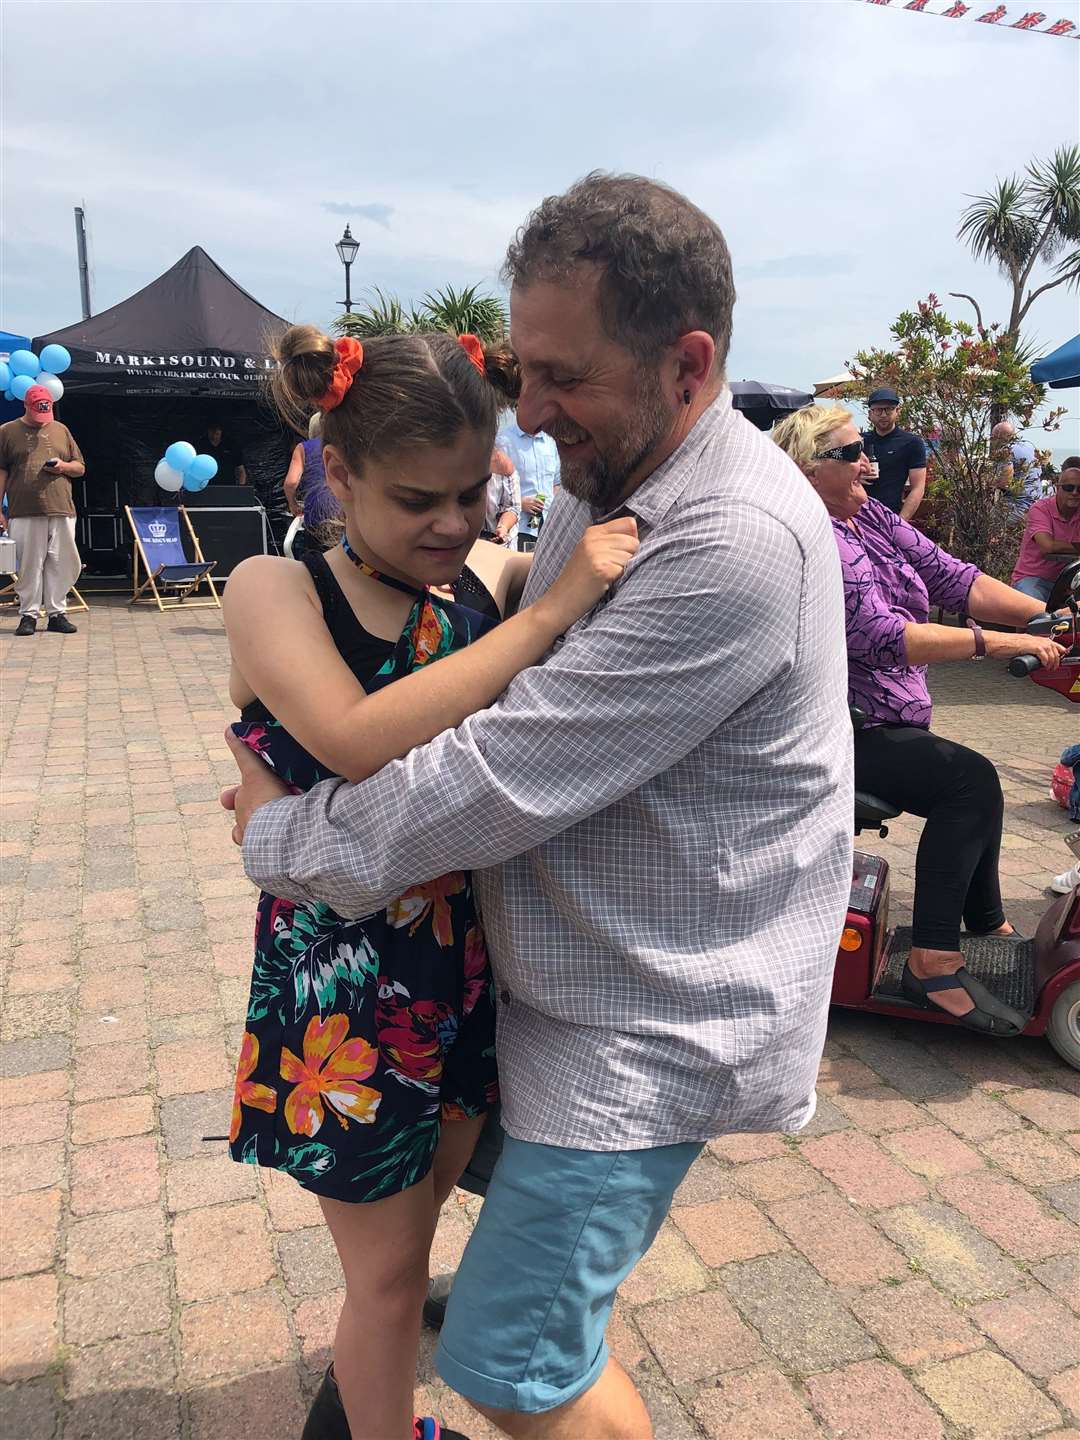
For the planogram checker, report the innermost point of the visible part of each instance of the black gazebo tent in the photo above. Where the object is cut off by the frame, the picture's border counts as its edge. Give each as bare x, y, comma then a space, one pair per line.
189, 349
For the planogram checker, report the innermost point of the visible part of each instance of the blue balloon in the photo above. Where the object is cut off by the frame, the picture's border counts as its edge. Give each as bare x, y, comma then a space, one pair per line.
20, 385
24, 362
180, 455
200, 472
8, 395
55, 359
5, 375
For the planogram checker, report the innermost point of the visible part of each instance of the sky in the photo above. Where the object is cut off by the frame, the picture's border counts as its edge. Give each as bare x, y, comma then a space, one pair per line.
835, 142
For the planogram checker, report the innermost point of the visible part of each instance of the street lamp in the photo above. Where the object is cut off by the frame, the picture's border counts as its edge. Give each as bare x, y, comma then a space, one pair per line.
346, 248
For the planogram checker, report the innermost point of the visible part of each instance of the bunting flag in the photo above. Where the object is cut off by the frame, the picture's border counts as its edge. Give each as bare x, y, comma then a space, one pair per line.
1004, 16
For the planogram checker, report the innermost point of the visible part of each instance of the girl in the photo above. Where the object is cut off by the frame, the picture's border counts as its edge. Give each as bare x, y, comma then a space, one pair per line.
367, 1061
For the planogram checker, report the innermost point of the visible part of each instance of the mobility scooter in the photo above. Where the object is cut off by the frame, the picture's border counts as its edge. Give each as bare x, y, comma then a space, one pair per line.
1040, 977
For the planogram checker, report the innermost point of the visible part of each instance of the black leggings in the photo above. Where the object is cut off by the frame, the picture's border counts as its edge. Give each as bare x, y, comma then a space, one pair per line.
958, 792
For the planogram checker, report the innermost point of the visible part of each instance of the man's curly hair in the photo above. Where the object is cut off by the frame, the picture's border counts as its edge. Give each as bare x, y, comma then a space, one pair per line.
665, 266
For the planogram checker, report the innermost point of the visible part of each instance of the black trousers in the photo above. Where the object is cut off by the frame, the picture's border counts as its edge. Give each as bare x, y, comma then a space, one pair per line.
958, 793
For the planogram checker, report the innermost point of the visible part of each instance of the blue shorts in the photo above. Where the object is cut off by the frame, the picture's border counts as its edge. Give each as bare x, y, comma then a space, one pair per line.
559, 1232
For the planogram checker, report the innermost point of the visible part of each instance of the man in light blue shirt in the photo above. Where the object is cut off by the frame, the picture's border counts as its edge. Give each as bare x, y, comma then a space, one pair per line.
536, 459
1019, 473
1028, 471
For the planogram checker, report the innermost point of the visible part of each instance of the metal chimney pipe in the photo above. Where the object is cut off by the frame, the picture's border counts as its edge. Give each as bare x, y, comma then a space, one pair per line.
84, 269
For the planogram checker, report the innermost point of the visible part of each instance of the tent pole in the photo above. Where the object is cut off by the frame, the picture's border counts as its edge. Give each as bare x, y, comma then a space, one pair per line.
84, 269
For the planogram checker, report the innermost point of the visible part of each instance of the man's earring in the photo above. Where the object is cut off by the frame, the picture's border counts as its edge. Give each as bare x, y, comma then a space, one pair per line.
686, 397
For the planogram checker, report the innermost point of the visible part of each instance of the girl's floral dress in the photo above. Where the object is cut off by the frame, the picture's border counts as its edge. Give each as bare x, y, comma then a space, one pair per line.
362, 1035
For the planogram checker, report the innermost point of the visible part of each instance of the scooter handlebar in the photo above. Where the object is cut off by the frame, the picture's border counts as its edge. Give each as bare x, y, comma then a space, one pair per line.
1024, 664
1043, 624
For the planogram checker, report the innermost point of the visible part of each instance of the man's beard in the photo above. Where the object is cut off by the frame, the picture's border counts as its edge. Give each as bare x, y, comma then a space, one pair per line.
602, 482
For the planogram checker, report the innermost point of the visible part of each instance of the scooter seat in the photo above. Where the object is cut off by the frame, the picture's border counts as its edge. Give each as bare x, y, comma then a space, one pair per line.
872, 810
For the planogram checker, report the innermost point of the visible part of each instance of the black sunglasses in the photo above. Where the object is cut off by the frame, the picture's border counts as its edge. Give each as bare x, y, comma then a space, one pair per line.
847, 453
1070, 489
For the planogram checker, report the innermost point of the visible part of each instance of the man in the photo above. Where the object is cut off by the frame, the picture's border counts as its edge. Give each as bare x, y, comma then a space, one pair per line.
536, 460
658, 817
38, 461
230, 469
502, 503
1018, 474
1051, 535
899, 455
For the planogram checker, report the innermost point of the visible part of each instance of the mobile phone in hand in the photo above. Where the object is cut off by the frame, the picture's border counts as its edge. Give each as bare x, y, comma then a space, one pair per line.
49, 464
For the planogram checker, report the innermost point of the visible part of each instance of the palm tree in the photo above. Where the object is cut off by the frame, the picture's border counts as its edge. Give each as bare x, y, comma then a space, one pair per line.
1024, 221
382, 315
466, 312
459, 312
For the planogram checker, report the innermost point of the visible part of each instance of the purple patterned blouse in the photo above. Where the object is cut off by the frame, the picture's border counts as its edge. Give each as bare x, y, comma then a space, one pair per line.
892, 575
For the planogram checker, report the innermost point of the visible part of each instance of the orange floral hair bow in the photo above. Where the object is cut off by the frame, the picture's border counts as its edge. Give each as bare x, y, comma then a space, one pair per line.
350, 355
475, 351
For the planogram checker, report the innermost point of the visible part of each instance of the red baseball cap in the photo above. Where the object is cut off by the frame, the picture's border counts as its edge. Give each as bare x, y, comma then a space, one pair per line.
38, 404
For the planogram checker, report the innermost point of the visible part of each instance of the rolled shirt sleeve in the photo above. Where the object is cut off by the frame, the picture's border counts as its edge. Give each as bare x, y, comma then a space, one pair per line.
948, 581
875, 622
633, 688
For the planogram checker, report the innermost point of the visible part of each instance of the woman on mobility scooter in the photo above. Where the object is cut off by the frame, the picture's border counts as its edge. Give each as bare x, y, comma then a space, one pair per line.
892, 574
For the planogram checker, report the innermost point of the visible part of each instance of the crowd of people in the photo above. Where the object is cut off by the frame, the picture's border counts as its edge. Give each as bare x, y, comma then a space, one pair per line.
591, 866
616, 814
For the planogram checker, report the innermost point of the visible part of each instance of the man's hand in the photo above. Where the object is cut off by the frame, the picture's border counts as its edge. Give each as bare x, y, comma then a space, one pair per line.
532, 505
258, 786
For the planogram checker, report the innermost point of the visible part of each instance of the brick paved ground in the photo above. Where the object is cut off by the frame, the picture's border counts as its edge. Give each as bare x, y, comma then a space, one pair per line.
907, 1267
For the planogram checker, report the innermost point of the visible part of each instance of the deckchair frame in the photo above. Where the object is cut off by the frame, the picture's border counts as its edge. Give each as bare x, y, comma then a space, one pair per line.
9, 590
183, 588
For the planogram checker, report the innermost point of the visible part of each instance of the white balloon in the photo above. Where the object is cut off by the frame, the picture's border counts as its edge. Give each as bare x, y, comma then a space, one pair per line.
53, 384
167, 477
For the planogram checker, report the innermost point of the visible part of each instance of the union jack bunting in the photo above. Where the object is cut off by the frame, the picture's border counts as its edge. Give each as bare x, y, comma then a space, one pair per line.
1003, 16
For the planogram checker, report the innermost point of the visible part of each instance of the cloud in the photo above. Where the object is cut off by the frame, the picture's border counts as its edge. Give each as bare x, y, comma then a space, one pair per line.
798, 267
377, 214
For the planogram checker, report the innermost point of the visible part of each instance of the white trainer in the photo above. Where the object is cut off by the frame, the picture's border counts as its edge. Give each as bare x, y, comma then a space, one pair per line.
1063, 883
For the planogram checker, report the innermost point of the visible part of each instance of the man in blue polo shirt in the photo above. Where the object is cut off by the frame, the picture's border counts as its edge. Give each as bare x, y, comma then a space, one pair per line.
900, 457
536, 459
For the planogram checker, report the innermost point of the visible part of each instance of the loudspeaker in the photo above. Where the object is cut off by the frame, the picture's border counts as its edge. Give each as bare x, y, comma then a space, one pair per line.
229, 536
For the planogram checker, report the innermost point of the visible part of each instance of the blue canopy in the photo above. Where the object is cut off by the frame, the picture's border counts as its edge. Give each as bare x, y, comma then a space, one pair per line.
10, 409
1061, 370
10, 342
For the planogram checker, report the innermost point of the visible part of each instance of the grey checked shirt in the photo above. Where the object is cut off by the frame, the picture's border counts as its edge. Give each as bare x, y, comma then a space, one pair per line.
664, 878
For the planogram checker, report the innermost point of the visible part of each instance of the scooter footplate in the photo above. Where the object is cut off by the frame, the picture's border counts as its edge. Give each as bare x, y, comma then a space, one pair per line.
1004, 965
